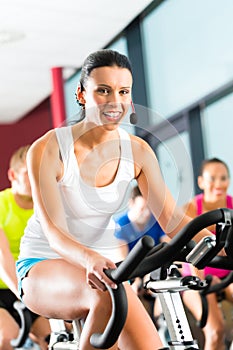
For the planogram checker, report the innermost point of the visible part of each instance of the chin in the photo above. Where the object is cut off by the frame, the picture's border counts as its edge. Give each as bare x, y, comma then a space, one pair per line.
111, 127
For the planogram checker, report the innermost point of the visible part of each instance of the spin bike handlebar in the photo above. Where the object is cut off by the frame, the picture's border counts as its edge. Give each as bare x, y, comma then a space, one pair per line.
212, 288
118, 296
215, 288
145, 257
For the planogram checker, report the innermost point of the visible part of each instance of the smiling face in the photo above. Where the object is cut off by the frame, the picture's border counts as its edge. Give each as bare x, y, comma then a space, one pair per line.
214, 181
18, 173
18, 176
107, 95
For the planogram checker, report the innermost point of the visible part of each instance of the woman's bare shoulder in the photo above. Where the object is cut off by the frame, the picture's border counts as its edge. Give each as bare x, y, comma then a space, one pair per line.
144, 157
44, 148
138, 144
44, 142
138, 139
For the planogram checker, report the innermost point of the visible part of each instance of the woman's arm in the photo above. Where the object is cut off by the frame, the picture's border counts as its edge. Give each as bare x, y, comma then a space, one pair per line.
7, 265
150, 180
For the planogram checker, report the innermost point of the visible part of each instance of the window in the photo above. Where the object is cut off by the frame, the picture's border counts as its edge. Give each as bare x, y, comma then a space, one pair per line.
70, 87
217, 131
176, 167
188, 51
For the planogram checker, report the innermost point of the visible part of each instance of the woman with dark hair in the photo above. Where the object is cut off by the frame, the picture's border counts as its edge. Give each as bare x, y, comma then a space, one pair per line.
214, 181
79, 176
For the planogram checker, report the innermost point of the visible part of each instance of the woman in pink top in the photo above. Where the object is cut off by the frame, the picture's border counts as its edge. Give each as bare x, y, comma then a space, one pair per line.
213, 180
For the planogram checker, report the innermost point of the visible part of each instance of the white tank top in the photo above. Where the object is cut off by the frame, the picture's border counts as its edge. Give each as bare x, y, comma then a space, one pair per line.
88, 209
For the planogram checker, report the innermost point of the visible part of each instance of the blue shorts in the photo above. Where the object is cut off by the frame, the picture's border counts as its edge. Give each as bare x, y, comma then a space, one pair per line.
22, 268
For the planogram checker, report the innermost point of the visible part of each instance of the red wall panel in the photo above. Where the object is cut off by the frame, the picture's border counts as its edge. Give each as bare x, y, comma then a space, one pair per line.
20, 133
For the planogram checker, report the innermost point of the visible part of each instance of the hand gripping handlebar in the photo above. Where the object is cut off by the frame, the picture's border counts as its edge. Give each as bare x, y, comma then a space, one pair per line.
118, 296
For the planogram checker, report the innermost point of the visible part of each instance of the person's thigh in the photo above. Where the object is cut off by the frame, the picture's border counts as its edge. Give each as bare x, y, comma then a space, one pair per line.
56, 289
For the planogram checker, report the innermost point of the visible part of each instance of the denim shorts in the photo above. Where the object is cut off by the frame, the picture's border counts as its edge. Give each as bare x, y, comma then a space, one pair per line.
22, 267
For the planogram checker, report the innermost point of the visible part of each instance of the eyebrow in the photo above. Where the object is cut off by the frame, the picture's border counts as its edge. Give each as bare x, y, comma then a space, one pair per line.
109, 86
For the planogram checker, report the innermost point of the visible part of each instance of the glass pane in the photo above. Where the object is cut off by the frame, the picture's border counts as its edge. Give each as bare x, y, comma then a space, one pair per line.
188, 51
120, 45
175, 162
217, 131
70, 87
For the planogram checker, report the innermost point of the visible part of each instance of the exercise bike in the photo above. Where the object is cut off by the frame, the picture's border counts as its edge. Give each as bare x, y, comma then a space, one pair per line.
146, 258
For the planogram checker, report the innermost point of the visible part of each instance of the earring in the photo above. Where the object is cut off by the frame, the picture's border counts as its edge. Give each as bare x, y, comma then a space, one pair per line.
79, 103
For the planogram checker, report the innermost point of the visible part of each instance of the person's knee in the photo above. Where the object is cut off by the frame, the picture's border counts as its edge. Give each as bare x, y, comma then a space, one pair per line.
102, 302
215, 334
95, 301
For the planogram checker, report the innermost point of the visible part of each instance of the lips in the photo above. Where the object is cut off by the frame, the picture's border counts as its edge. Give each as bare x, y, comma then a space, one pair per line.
112, 116
219, 192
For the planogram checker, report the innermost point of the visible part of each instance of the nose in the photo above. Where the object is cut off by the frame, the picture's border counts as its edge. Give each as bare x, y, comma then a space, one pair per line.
114, 98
